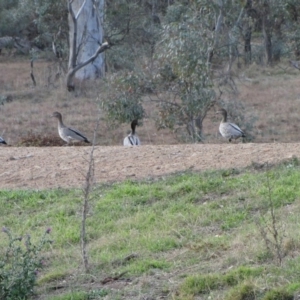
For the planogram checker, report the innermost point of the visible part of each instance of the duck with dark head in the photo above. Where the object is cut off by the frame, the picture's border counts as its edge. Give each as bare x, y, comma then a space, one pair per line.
68, 134
229, 130
132, 139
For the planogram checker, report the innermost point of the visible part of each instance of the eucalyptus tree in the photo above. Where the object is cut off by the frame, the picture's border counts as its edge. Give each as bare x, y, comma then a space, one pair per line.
278, 21
86, 52
126, 24
133, 29
183, 67
8, 21
287, 28
37, 21
293, 29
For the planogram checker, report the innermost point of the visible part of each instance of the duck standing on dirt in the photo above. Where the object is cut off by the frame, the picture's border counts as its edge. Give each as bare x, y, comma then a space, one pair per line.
66, 133
132, 139
229, 130
2, 141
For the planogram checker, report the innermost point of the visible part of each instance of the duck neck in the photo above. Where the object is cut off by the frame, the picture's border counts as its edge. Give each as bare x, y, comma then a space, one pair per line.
60, 123
133, 129
224, 119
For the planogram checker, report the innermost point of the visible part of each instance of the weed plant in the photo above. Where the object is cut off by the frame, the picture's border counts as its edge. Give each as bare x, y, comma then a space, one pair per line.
20, 265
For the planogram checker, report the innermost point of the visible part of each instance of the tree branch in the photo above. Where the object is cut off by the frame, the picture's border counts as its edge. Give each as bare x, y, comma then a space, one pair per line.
74, 40
31, 73
104, 46
80, 9
295, 64
101, 49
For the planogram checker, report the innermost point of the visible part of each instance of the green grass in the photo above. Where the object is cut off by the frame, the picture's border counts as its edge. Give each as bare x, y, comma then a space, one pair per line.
198, 284
189, 234
93, 294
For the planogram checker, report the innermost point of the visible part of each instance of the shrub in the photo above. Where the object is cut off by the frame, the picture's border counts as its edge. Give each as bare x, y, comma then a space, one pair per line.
19, 265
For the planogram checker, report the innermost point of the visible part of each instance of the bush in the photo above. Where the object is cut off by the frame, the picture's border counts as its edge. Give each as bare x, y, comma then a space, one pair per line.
19, 266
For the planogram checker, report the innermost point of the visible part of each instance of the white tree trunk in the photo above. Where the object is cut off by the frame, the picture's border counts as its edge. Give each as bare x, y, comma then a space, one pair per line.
89, 23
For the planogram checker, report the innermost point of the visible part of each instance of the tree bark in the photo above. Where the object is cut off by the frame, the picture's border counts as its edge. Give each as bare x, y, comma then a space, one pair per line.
248, 33
86, 38
72, 71
218, 27
277, 45
267, 31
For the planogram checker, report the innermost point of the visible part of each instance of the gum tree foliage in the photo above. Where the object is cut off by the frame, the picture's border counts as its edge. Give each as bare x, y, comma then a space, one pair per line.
199, 40
52, 24
43, 20
124, 103
284, 31
181, 57
7, 22
38, 21
176, 69
132, 28
278, 23
292, 26
176, 61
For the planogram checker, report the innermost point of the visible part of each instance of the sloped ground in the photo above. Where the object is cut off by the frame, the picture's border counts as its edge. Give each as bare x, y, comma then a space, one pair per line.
66, 167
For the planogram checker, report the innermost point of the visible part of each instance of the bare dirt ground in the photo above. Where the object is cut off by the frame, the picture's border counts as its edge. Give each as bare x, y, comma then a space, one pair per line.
66, 167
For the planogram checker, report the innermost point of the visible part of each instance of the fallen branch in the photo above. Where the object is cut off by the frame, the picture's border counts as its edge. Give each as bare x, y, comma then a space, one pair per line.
110, 279
295, 64
31, 73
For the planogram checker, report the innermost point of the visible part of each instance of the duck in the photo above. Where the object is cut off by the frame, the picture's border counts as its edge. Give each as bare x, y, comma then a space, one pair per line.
2, 141
66, 133
229, 130
132, 139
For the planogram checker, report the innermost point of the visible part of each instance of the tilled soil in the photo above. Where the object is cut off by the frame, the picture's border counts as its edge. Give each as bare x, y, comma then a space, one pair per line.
66, 167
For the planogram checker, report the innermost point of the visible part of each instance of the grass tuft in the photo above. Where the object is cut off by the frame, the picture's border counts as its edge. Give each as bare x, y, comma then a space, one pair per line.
278, 294
53, 276
244, 291
200, 284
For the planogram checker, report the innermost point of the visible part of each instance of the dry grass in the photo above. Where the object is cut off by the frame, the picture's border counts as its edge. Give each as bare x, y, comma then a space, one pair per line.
271, 95
29, 112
